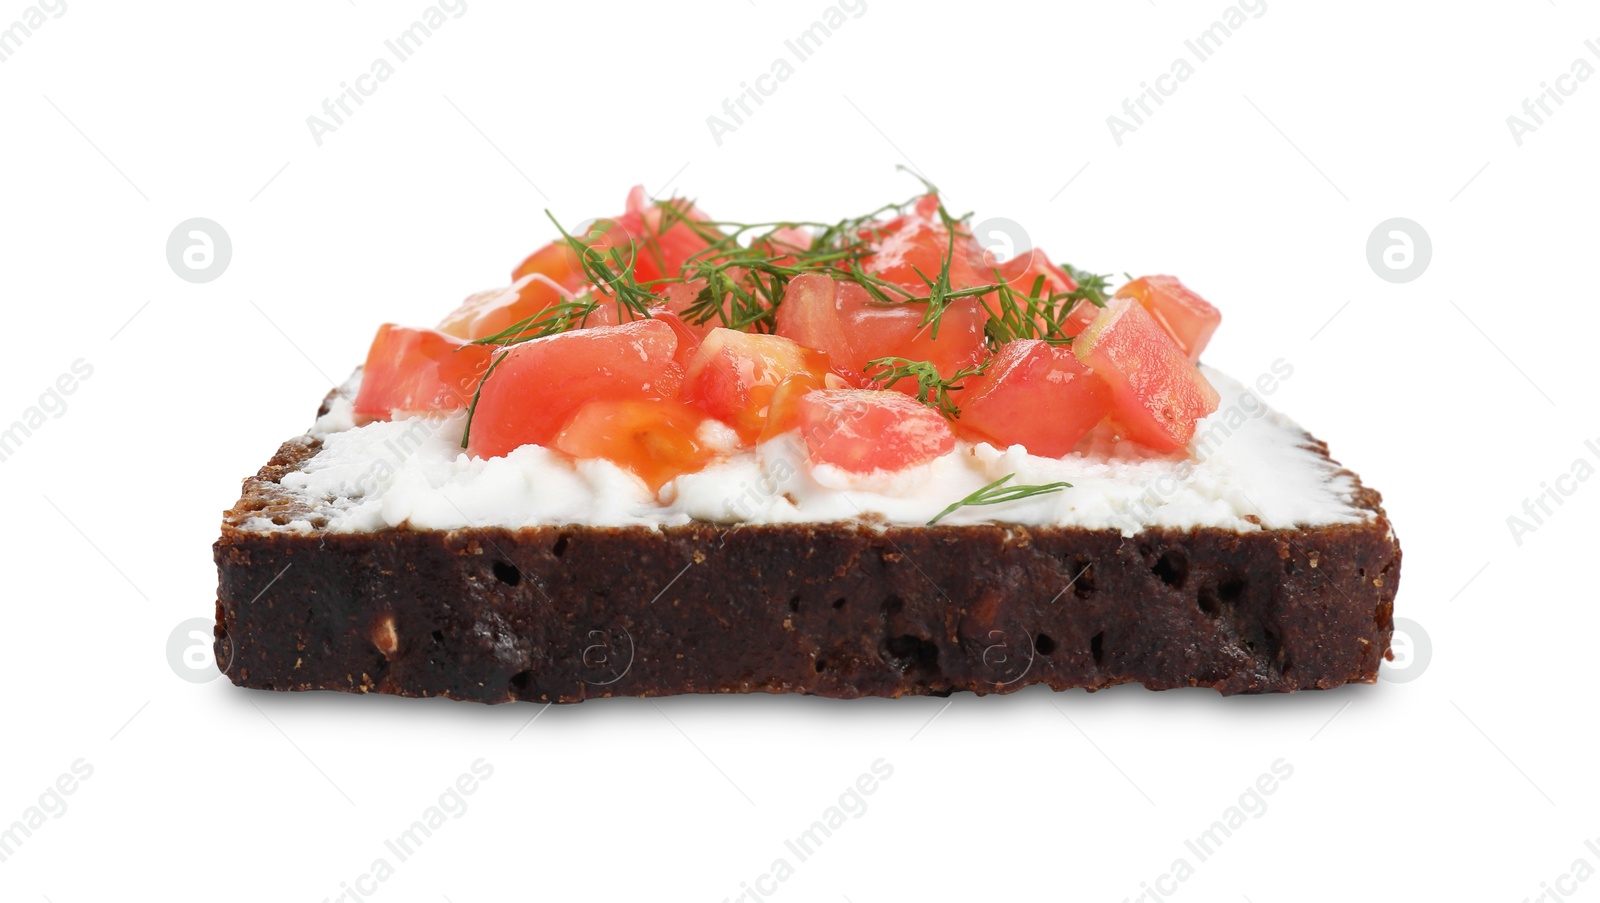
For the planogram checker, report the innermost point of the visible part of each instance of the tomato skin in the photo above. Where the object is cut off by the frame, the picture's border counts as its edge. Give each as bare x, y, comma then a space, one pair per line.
1033, 394
734, 375
1157, 392
1188, 318
654, 439
418, 370
539, 384
862, 430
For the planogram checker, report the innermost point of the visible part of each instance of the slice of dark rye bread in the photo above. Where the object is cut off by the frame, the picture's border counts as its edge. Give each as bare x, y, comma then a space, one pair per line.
563, 614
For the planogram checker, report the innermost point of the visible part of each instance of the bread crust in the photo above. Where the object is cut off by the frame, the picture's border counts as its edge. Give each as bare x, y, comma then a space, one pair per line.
564, 614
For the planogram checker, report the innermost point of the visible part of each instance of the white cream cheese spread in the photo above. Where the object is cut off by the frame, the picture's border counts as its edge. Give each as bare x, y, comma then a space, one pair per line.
1248, 468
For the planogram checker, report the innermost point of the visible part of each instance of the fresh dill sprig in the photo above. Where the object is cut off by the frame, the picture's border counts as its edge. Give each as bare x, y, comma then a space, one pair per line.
747, 267
557, 318
1091, 286
998, 493
939, 294
745, 270
610, 274
472, 409
933, 389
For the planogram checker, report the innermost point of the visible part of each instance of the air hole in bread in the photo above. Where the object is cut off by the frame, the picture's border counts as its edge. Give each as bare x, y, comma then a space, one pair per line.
794, 604
908, 653
838, 604
521, 684
1172, 567
1097, 648
1043, 644
507, 573
560, 547
1213, 598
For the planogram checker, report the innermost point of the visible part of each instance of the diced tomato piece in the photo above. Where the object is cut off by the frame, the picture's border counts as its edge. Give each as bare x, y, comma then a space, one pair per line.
815, 312
1187, 317
734, 375
688, 337
418, 370
559, 263
1056, 280
491, 312
896, 330
784, 243
1157, 393
915, 245
1033, 394
538, 384
783, 412
1080, 316
679, 297
910, 251
1020, 271
640, 236
840, 319
862, 430
605, 313
654, 439
664, 241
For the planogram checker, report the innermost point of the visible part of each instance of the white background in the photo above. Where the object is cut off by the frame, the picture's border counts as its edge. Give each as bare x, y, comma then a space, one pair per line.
1457, 395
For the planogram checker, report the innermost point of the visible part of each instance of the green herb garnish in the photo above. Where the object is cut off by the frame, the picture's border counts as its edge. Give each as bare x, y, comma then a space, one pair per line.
998, 493
933, 389
1091, 286
746, 269
473, 408
557, 318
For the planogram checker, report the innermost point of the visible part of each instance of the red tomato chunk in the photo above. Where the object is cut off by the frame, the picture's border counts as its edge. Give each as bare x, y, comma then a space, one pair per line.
1157, 393
734, 375
862, 430
1187, 317
638, 391
540, 384
1036, 395
418, 371
654, 439
879, 331
814, 312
